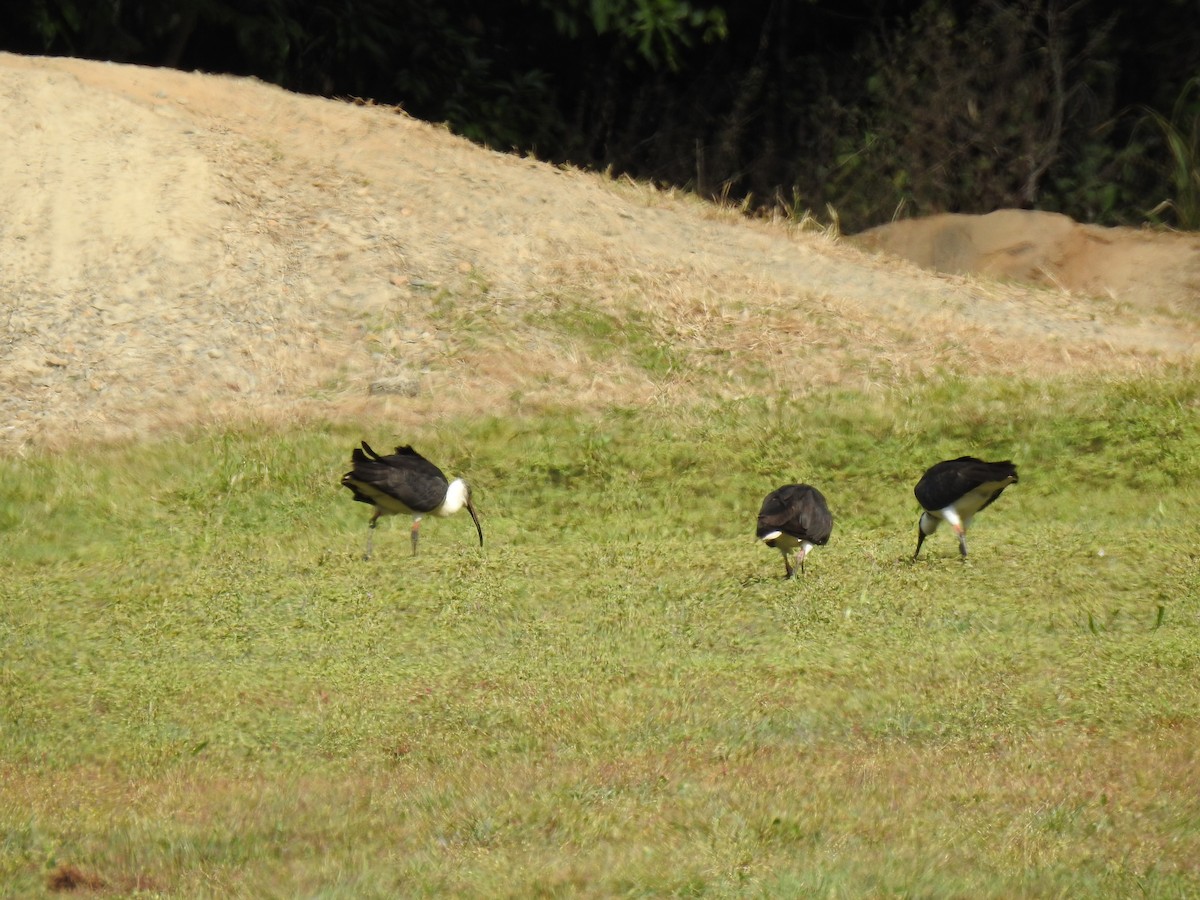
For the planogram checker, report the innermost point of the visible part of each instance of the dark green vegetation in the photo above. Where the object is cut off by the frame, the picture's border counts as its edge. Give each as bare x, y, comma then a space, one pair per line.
205, 691
873, 108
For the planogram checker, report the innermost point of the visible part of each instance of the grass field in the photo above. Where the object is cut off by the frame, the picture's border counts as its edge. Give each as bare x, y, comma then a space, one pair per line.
205, 691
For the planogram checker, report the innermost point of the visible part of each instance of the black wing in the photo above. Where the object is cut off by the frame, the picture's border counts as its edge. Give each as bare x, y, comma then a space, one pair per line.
405, 476
952, 479
799, 510
410, 460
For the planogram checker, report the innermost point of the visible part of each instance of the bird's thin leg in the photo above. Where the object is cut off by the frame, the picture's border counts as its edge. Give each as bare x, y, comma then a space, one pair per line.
416, 533
802, 554
371, 534
787, 565
920, 541
951, 515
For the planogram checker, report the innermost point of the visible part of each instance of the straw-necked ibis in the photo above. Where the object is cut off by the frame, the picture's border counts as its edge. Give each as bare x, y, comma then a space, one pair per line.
955, 490
794, 518
405, 482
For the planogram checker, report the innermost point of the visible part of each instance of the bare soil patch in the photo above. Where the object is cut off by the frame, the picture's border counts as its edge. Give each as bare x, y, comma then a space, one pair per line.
1148, 269
180, 249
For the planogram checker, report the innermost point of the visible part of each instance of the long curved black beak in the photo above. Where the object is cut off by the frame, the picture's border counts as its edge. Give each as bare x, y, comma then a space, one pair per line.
471, 510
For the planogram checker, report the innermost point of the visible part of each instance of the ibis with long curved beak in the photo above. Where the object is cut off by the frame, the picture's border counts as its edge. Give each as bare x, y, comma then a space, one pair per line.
954, 490
405, 482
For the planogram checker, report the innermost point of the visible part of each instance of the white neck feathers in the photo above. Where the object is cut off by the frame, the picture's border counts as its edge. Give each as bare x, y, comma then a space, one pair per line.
457, 495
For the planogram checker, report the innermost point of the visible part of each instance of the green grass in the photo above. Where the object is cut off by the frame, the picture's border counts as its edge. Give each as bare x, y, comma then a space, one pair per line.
604, 335
204, 690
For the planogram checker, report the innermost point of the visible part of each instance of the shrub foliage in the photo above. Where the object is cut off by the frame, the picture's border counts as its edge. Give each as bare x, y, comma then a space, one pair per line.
873, 108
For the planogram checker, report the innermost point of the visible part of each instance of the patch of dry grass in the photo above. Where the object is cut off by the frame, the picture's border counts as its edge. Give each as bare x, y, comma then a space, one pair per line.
349, 243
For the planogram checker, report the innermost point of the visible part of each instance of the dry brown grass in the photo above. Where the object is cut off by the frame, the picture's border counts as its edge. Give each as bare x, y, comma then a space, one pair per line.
323, 246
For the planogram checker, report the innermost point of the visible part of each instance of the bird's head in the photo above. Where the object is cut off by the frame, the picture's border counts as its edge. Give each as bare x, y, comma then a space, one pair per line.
458, 495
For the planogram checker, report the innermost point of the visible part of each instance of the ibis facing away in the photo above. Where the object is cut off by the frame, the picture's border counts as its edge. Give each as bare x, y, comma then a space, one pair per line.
794, 518
955, 490
405, 482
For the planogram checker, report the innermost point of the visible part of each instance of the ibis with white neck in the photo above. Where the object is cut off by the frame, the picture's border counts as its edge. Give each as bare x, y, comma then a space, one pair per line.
405, 482
954, 490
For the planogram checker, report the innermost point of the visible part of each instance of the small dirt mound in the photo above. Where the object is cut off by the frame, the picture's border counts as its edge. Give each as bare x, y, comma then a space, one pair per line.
1150, 269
